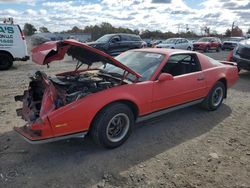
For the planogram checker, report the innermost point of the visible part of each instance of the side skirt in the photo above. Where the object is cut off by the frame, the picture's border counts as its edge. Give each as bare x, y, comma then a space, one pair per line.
165, 111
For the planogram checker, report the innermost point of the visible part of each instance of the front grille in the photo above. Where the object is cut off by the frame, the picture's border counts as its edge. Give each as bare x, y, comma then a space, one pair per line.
244, 52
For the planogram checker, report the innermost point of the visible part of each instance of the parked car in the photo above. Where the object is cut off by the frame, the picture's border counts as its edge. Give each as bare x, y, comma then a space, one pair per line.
12, 45
231, 43
106, 101
208, 43
114, 44
176, 43
241, 55
154, 43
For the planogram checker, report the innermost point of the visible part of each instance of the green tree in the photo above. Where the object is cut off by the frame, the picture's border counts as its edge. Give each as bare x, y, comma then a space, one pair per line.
228, 33
44, 29
29, 29
237, 32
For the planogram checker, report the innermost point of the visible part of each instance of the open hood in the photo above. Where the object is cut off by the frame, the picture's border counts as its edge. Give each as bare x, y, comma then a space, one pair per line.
56, 50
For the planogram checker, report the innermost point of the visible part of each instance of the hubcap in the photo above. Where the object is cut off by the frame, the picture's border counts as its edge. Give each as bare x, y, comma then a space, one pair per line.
118, 127
217, 96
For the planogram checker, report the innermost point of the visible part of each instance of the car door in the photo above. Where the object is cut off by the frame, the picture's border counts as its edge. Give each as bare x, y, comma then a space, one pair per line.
114, 45
214, 43
185, 44
188, 83
178, 44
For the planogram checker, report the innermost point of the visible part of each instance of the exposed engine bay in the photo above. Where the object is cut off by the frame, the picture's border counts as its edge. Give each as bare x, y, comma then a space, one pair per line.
68, 88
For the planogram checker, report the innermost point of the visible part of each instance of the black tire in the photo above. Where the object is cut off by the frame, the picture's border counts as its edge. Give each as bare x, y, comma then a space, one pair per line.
206, 49
6, 61
215, 97
189, 48
104, 125
218, 49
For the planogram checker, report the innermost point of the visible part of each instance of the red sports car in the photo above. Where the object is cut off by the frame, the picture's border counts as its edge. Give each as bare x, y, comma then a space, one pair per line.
109, 95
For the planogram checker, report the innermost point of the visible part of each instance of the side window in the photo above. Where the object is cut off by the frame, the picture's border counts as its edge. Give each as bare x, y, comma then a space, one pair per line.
125, 38
182, 64
184, 41
115, 39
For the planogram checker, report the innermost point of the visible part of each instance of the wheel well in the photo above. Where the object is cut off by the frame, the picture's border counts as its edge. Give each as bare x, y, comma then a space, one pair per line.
129, 103
224, 81
7, 53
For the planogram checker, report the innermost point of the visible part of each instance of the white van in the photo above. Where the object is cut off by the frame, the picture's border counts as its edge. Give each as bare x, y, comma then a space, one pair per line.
12, 45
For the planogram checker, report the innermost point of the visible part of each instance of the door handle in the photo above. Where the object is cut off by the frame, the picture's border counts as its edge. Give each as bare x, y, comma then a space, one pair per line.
200, 78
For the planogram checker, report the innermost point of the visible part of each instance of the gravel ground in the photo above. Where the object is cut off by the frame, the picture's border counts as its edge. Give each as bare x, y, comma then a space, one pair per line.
186, 148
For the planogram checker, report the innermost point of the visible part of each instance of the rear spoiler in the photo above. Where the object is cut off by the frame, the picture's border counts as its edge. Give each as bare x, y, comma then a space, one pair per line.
228, 63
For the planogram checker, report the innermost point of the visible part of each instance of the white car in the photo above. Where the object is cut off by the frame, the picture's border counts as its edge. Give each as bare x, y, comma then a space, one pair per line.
12, 45
176, 43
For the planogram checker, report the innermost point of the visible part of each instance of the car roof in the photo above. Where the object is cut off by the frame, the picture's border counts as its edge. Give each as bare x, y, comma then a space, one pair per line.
164, 51
122, 34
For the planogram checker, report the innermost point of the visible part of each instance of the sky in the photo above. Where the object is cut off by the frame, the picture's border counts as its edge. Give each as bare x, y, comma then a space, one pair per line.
164, 15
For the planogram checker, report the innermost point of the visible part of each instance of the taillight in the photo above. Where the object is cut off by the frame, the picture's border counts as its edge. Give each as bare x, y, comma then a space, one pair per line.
21, 32
22, 35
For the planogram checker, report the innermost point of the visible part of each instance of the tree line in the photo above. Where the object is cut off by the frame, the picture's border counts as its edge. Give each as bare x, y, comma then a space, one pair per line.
97, 31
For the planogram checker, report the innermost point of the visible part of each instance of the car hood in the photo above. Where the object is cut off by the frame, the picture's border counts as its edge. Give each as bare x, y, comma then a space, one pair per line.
165, 45
201, 43
94, 43
245, 43
233, 42
56, 50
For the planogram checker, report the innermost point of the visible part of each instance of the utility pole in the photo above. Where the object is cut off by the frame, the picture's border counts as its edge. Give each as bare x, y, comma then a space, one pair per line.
232, 29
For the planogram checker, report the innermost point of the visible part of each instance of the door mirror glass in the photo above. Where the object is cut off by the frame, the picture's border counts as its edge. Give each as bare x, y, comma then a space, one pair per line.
165, 77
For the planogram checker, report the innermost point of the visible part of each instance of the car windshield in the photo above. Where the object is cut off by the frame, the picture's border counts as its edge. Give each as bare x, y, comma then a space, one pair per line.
144, 63
169, 41
204, 39
104, 38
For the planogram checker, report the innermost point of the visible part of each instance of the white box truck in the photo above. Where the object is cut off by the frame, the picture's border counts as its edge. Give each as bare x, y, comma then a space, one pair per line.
12, 45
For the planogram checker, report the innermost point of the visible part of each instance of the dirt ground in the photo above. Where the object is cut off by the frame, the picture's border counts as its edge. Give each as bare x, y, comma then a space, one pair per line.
186, 148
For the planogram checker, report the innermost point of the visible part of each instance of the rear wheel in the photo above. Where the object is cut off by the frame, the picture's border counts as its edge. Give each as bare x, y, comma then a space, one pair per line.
215, 97
189, 48
113, 125
6, 61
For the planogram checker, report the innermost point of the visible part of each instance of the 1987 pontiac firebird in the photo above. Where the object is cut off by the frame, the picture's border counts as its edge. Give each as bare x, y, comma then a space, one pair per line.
108, 100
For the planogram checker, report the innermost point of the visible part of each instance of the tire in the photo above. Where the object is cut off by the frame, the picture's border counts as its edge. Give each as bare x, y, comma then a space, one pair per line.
215, 97
206, 49
189, 48
6, 61
107, 129
218, 49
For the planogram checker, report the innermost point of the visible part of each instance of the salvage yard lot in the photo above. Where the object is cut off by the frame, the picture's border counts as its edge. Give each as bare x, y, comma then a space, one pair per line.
186, 148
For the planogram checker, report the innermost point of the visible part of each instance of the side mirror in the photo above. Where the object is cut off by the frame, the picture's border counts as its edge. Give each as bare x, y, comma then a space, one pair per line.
165, 77
114, 40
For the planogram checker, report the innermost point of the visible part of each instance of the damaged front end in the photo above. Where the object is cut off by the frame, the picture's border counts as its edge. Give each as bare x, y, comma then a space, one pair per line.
47, 94
38, 100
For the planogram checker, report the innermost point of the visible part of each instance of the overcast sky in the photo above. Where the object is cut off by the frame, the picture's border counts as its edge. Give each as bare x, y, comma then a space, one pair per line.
164, 15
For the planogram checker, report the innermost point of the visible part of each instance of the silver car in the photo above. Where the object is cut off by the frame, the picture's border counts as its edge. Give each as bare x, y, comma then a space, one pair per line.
176, 43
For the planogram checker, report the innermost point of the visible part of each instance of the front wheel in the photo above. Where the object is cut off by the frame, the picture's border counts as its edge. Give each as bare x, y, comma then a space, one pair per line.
6, 62
218, 49
215, 97
113, 125
206, 49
